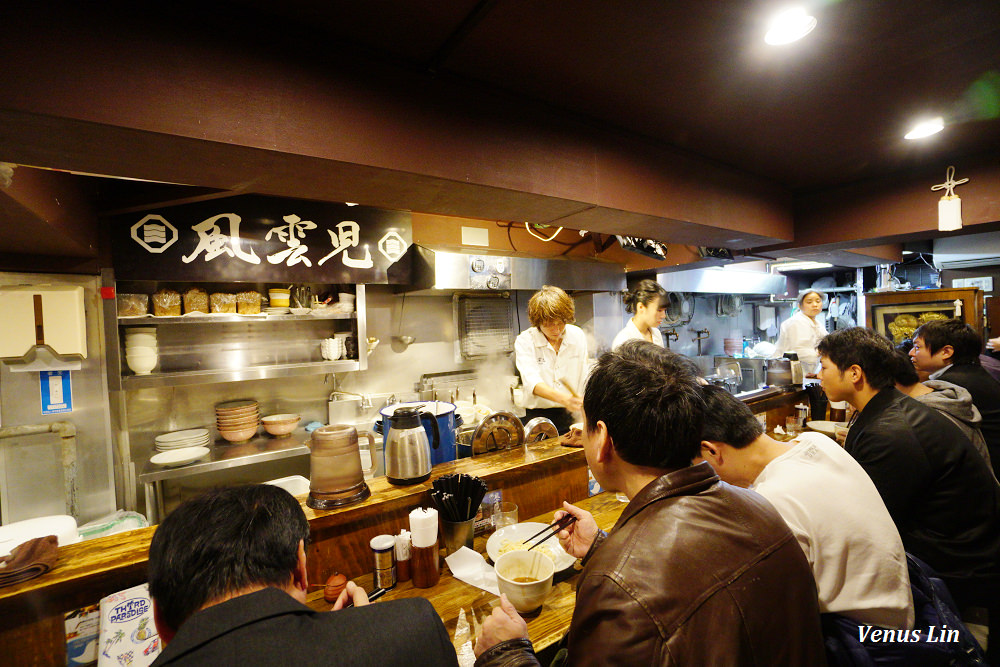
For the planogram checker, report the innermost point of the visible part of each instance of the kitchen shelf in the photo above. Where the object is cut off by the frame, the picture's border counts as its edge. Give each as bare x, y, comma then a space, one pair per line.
222, 455
146, 320
179, 378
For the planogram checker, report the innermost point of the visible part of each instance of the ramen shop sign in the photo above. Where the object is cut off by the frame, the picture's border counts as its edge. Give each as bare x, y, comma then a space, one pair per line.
255, 238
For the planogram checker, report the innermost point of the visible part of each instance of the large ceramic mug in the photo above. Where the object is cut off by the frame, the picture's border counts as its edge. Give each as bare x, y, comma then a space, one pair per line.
336, 475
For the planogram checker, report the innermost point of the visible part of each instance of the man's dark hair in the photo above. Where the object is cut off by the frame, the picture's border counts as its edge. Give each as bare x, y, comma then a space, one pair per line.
904, 373
963, 339
651, 402
224, 541
728, 419
870, 351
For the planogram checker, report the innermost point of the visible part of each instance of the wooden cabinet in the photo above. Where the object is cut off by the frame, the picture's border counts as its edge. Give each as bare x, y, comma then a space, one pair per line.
897, 314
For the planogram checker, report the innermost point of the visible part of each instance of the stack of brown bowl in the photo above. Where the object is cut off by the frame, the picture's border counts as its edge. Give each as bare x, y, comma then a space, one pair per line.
237, 421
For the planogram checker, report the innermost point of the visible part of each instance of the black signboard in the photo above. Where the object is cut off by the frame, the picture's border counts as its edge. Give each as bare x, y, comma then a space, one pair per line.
255, 238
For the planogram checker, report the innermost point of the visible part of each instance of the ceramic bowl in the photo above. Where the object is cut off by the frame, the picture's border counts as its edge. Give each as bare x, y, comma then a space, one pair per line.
140, 339
141, 365
526, 578
240, 434
242, 422
280, 425
237, 412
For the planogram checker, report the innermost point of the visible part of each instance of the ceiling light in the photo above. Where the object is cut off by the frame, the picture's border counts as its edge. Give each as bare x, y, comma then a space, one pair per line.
789, 25
800, 266
925, 128
351, 203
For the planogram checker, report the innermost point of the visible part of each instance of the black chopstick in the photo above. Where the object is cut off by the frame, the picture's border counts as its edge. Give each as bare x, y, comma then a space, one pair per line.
555, 527
374, 595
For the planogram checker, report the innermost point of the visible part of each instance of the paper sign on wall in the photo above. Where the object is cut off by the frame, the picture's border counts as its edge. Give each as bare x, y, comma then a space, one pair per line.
57, 392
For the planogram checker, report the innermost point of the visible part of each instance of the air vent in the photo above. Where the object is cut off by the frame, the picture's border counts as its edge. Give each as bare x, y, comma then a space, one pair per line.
485, 325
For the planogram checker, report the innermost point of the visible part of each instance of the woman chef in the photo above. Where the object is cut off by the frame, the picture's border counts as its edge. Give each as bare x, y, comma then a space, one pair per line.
551, 358
801, 332
648, 301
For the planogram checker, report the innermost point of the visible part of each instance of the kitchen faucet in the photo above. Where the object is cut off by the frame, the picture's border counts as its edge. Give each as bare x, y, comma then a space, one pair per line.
701, 334
366, 399
668, 334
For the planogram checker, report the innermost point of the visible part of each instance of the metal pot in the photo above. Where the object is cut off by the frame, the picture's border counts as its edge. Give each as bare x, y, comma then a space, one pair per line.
778, 373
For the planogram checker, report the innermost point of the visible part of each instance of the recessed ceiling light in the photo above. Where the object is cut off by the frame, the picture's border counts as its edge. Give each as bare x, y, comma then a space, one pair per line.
351, 203
789, 25
925, 128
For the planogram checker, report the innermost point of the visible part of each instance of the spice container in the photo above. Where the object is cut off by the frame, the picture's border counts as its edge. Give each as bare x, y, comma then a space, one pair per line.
425, 567
403, 556
384, 572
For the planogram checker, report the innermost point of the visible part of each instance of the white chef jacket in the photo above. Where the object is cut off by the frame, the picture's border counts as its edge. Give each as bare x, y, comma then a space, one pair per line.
631, 332
801, 334
537, 362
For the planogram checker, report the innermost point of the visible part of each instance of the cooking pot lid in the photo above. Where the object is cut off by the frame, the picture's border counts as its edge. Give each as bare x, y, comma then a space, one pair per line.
436, 408
500, 430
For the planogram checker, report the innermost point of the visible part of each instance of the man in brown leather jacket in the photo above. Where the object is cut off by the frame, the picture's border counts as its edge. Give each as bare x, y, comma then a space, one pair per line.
695, 572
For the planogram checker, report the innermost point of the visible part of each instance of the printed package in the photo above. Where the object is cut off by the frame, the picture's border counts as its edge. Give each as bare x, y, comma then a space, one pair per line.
128, 634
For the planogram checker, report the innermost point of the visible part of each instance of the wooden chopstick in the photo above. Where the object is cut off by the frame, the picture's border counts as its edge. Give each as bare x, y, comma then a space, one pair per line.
562, 523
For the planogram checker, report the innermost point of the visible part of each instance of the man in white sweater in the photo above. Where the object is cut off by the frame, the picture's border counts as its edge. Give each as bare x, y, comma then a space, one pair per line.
830, 504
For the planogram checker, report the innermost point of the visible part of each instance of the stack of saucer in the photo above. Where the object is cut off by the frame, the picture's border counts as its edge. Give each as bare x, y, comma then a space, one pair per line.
192, 437
271, 310
237, 421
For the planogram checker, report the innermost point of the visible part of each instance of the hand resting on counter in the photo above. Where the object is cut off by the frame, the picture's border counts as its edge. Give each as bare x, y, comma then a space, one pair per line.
503, 624
351, 593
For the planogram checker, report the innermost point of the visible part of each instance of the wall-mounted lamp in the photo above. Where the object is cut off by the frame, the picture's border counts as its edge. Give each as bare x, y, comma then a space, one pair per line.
950, 205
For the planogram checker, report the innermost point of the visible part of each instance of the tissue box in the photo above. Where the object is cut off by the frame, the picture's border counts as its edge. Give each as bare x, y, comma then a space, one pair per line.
484, 517
128, 634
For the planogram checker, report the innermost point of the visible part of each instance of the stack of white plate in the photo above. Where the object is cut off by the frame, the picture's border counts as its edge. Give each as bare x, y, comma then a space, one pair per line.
276, 311
141, 351
192, 437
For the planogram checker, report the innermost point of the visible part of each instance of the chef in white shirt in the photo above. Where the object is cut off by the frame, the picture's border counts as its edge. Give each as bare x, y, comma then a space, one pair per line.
802, 332
648, 301
551, 358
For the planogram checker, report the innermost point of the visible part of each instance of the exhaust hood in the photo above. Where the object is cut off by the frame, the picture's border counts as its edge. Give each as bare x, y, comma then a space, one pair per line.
717, 280
437, 271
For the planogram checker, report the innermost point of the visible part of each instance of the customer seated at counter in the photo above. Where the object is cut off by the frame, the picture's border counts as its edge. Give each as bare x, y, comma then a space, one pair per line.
227, 576
939, 491
949, 399
852, 544
551, 358
695, 572
949, 350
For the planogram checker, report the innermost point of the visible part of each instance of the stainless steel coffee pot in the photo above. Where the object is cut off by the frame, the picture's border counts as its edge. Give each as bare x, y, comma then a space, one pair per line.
407, 452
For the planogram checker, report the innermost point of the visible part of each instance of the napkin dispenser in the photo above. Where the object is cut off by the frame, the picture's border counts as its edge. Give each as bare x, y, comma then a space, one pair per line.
43, 327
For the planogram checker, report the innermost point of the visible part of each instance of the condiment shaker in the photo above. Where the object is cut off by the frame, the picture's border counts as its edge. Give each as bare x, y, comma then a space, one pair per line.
383, 550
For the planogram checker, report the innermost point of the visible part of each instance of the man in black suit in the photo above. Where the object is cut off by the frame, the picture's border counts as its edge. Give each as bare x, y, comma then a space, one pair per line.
949, 350
227, 575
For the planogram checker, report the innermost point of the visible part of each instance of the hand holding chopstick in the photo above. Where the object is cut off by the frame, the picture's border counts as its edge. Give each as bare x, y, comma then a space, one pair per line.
577, 536
552, 529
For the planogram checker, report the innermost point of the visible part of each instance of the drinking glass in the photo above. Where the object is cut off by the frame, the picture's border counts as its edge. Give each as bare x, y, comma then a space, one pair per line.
505, 516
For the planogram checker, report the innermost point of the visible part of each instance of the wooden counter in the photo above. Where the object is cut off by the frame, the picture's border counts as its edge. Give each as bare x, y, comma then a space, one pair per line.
463, 607
538, 478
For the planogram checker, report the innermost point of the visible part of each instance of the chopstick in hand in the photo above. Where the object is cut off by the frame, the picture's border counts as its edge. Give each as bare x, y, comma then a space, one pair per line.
559, 525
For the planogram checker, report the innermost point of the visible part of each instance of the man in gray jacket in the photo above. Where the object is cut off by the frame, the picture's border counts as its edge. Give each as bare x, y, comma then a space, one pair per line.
949, 399
695, 571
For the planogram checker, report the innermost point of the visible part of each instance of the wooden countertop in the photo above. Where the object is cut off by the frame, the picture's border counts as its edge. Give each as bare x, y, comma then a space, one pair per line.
463, 607
89, 570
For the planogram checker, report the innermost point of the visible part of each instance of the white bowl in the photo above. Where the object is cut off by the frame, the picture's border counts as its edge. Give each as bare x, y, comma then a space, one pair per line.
518, 533
300, 311
140, 355
526, 596
140, 339
141, 348
141, 365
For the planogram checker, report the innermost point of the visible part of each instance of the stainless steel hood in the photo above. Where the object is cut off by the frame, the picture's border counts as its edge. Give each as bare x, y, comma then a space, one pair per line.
436, 271
717, 280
